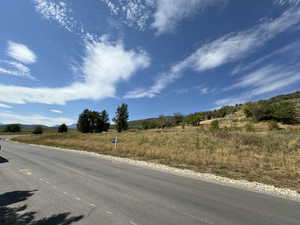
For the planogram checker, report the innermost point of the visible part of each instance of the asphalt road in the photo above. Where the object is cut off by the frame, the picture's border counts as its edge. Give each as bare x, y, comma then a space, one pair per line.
48, 186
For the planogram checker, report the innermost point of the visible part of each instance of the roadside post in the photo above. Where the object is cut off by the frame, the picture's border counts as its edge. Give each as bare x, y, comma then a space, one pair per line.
115, 141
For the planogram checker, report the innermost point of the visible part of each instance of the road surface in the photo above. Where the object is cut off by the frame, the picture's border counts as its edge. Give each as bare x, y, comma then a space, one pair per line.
48, 186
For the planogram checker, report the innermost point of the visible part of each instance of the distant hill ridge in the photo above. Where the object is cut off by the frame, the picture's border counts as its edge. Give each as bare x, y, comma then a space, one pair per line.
293, 98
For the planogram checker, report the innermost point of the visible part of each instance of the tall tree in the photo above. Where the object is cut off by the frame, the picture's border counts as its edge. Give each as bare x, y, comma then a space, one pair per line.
83, 124
121, 118
105, 119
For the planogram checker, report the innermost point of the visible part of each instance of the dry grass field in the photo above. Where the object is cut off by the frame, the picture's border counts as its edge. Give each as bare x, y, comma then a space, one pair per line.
271, 157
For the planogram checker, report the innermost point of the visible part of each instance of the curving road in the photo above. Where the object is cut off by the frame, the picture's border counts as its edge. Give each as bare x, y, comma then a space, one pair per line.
59, 187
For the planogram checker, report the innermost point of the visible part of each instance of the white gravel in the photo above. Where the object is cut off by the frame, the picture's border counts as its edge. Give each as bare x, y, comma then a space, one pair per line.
241, 184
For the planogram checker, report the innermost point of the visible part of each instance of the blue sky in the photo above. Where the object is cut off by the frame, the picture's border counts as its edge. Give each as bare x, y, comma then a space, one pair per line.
58, 57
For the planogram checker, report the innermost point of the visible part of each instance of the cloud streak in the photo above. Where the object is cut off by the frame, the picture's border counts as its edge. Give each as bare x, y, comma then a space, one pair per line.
5, 106
264, 80
8, 118
227, 49
56, 111
15, 69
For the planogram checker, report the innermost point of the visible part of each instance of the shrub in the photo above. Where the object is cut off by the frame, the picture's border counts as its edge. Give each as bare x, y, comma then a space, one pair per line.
214, 125
62, 128
273, 125
38, 130
284, 112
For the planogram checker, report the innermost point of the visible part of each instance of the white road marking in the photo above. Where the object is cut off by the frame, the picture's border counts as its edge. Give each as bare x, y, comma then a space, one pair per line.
132, 223
77, 198
47, 182
65, 193
26, 171
93, 205
109, 212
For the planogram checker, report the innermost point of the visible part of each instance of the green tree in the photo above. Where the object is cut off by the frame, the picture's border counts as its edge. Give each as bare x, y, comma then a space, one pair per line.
38, 130
62, 128
92, 121
83, 124
105, 119
12, 128
121, 118
178, 118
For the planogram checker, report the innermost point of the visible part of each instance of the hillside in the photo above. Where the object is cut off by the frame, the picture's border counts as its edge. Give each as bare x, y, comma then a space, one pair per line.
293, 98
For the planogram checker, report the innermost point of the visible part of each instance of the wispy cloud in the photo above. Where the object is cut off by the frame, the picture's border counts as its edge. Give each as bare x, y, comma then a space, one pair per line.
169, 12
15, 69
264, 80
21, 53
7, 118
166, 14
287, 2
134, 13
5, 106
57, 11
104, 65
56, 111
223, 51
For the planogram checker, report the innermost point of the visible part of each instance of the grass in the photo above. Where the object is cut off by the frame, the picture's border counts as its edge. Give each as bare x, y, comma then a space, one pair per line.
271, 157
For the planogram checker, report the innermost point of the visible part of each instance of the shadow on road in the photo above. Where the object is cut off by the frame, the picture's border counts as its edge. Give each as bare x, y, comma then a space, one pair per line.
3, 160
18, 214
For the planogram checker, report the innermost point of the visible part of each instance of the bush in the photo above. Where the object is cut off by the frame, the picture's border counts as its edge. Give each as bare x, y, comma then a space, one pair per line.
273, 125
38, 130
12, 128
214, 125
281, 112
62, 128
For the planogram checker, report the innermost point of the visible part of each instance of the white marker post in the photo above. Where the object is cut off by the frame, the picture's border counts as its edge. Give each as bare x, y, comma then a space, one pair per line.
115, 141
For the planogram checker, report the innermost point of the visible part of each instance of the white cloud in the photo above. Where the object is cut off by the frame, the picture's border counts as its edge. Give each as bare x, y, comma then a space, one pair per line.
21, 53
8, 118
15, 69
227, 49
287, 2
170, 12
204, 91
57, 11
166, 14
104, 65
134, 13
264, 80
56, 111
5, 106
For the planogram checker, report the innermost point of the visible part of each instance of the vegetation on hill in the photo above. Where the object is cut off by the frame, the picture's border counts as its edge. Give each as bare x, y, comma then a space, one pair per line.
282, 108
